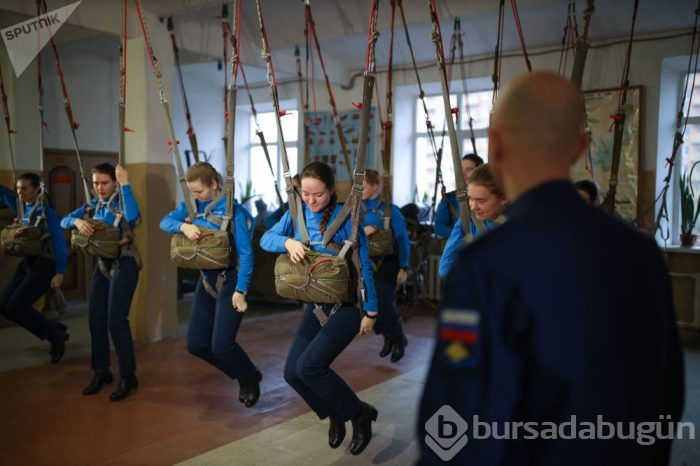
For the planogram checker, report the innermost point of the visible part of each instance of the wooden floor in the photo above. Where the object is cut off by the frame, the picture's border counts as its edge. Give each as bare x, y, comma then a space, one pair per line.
184, 407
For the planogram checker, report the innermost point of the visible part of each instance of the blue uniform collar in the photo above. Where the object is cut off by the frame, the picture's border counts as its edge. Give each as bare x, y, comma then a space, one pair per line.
372, 203
546, 196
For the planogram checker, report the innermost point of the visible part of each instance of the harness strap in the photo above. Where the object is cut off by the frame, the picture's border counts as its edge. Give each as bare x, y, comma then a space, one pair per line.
214, 291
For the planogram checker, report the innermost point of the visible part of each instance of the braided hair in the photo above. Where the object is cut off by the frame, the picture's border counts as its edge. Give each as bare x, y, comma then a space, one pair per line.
324, 173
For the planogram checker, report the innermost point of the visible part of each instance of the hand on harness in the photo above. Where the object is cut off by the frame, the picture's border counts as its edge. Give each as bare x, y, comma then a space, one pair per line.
122, 175
367, 324
190, 231
239, 302
84, 227
370, 230
57, 280
296, 249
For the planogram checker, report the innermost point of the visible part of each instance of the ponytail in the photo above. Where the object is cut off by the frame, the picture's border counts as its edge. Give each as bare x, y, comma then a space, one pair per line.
328, 212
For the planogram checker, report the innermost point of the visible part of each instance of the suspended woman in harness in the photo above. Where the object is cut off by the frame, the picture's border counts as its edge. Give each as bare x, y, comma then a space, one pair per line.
326, 329
219, 298
448, 209
39, 270
389, 250
113, 280
486, 203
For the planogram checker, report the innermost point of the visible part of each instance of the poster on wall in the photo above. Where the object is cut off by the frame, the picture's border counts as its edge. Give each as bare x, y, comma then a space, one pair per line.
600, 105
324, 143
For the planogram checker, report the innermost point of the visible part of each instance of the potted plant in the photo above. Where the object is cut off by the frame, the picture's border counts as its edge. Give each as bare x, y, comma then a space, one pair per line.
690, 209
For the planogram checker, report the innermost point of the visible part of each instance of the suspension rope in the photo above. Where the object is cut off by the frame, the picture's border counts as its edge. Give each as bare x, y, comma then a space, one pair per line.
618, 121
388, 126
465, 88
519, 27
662, 214
331, 97
461, 188
261, 136
178, 68
498, 53
293, 199
69, 114
304, 109
437, 154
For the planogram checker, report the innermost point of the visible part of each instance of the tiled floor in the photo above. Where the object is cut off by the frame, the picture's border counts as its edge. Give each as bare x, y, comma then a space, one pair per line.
184, 408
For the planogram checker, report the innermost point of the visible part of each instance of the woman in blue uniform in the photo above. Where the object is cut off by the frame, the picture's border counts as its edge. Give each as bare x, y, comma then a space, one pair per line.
35, 275
447, 212
391, 270
315, 347
113, 281
214, 322
487, 202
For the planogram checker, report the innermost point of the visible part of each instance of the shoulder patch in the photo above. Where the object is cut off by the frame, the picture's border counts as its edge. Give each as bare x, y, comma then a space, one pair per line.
459, 336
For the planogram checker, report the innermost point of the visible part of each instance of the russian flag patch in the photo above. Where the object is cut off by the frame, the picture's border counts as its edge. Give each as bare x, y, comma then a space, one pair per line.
459, 333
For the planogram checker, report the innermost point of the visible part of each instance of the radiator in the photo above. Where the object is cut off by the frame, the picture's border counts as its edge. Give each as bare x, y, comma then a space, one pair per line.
433, 283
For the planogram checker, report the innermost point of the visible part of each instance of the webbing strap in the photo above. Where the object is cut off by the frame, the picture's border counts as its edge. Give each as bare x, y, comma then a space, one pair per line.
681, 124
214, 291
618, 117
261, 136
461, 190
190, 206
188, 116
69, 112
334, 108
291, 192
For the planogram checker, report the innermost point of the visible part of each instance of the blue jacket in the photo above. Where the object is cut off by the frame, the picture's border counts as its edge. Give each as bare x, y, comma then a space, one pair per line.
375, 217
274, 238
172, 222
103, 213
561, 311
444, 218
250, 220
455, 242
58, 242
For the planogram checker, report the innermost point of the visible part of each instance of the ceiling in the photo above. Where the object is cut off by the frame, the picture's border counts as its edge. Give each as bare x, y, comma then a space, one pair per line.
342, 26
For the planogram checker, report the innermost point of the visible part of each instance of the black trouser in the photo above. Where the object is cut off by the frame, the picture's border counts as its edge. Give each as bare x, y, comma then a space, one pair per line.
214, 323
31, 280
388, 323
110, 301
313, 350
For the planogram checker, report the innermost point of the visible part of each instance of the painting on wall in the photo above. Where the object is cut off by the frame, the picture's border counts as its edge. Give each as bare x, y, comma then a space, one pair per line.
324, 143
600, 106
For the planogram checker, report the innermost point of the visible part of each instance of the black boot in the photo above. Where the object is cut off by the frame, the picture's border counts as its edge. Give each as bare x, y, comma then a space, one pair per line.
362, 427
126, 385
250, 390
399, 349
58, 343
336, 432
99, 379
388, 345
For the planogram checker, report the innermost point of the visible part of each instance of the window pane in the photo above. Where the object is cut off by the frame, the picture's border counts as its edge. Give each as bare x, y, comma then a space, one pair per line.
695, 104
263, 183
290, 126
479, 109
267, 125
425, 170
691, 154
436, 111
482, 147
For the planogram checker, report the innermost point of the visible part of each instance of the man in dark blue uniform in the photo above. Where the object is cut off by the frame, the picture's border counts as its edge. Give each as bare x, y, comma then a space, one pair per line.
561, 314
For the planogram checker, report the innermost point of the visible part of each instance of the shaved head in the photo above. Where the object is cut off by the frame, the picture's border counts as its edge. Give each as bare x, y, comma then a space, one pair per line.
536, 131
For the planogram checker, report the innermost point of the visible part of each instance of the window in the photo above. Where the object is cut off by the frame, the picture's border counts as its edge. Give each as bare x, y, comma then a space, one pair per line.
479, 109
690, 150
260, 174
